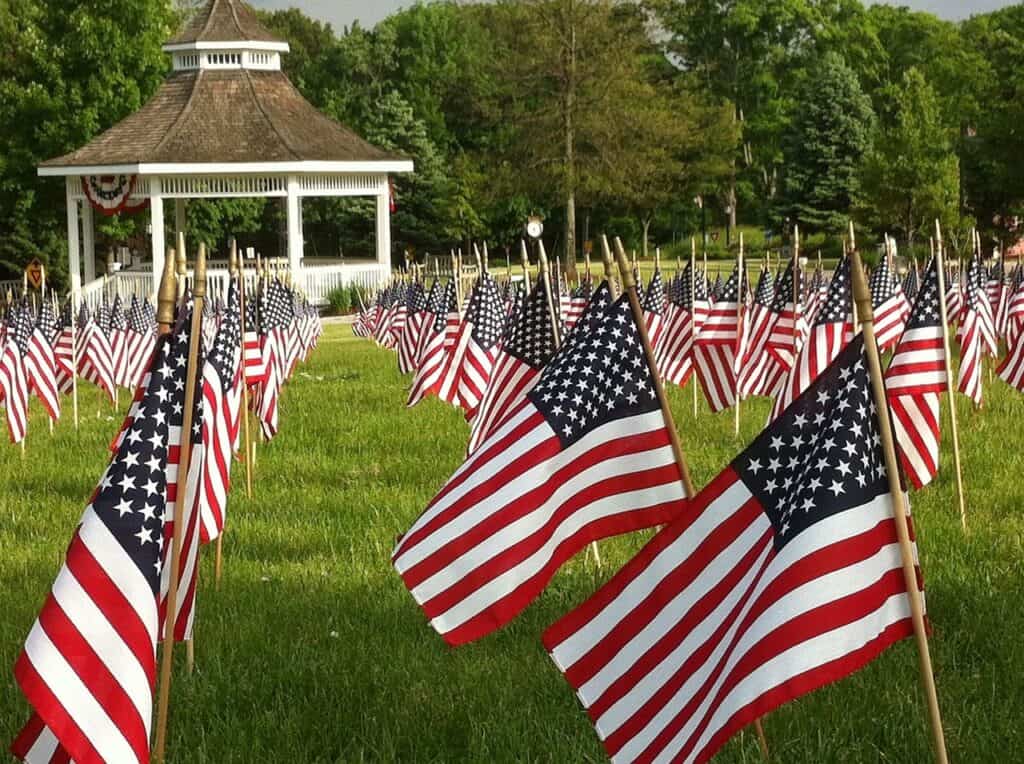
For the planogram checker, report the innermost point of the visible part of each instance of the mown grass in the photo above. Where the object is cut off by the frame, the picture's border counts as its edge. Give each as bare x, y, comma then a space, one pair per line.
313, 651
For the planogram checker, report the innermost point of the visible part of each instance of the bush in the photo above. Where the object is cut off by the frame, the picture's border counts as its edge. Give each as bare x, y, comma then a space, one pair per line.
340, 300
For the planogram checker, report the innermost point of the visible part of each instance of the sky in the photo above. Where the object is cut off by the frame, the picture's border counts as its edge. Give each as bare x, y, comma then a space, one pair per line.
341, 13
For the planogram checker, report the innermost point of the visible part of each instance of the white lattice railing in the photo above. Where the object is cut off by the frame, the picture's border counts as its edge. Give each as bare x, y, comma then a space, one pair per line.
317, 281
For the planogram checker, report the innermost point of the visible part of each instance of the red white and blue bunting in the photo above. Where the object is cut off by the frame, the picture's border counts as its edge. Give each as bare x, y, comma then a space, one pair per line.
110, 194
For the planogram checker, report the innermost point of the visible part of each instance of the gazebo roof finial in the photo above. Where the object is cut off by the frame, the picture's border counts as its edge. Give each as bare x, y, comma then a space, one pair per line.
223, 21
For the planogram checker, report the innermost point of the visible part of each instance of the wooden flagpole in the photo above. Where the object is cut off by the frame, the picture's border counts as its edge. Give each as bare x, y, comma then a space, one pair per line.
609, 272
862, 294
185, 455
740, 300
526, 264
940, 267
629, 286
545, 274
239, 264
693, 316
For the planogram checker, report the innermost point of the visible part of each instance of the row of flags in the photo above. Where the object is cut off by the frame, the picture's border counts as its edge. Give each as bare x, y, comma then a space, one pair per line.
88, 668
784, 574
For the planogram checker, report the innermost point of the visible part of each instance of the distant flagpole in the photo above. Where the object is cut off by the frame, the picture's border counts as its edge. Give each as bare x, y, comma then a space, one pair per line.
740, 300
862, 295
185, 450
247, 436
950, 392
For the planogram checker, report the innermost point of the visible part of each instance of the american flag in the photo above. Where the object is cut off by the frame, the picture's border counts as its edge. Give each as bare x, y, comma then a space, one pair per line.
273, 322
720, 344
416, 314
528, 345
255, 364
584, 456
140, 340
954, 295
788, 327
756, 362
654, 310
915, 379
676, 360
434, 305
833, 326
89, 664
974, 326
434, 356
890, 305
783, 575
577, 303
64, 349
911, 282
485, 306
478, 343
14, 386
41, 364
1015, 308
118, 336
95, 358
222, 411
996, 290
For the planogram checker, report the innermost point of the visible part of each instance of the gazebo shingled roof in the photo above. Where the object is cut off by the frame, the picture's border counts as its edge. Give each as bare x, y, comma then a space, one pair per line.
223, 20
231, 115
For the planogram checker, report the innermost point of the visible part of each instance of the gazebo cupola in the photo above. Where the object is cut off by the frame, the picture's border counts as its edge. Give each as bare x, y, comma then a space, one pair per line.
226, 122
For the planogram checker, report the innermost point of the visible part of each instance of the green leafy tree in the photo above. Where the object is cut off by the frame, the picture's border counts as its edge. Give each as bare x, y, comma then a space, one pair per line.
71, 69
825, 146
910, 175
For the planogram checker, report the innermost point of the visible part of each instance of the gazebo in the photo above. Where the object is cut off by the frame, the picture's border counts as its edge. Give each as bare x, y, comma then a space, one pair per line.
225, 123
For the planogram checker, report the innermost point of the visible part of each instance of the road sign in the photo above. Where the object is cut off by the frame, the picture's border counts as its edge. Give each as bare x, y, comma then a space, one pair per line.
34, 272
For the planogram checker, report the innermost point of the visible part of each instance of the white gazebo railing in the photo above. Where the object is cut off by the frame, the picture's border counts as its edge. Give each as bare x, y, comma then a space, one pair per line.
317, 281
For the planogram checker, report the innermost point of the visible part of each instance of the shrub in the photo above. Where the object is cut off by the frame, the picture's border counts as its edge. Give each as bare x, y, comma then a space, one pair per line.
340, 300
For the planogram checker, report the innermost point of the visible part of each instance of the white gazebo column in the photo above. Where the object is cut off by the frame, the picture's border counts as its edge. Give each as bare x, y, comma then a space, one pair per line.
156, 214
74, 255
295, 243
383, 225
88, 243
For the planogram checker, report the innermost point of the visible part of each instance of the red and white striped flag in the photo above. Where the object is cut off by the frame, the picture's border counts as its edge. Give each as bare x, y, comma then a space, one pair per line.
975, 324
529, 344
479, 338
832, 328
416, 314
95, 357
585, 455
140, 339
783, 575
222, 407
653, 304
434, 355
890, 305
88, 668
14, 387
915, 379
757, 362
719, 345
41, 363
684, 325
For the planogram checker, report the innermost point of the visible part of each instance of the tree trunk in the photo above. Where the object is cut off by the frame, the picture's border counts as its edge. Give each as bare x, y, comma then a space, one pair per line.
569, 105
646, 222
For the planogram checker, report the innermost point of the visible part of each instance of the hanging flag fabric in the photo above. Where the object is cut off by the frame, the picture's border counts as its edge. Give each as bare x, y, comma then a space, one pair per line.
585, 455
784, 575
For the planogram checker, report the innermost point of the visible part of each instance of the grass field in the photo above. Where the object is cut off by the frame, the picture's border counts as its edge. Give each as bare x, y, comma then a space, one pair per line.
313, 651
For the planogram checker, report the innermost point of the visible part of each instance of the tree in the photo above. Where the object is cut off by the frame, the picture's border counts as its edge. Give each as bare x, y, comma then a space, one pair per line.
825, 146
910, 175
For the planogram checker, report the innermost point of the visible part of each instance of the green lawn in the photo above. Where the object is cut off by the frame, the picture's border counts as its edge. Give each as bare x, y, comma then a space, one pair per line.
312, 650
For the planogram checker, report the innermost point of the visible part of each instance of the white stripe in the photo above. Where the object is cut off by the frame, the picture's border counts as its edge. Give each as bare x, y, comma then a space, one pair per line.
43, 748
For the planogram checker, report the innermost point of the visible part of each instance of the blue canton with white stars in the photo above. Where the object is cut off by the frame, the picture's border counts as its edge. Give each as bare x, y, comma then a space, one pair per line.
926, 306
823, 455
131, 498
596, 377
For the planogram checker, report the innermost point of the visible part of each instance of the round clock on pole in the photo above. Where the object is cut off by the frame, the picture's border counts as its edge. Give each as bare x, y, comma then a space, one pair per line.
534, 228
